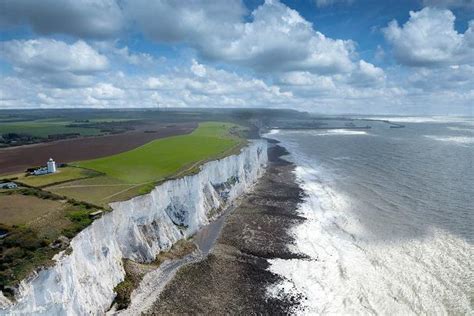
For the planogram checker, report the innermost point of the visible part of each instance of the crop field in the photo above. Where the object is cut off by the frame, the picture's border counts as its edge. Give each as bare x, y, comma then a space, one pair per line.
137, 171
43, 128
17, 159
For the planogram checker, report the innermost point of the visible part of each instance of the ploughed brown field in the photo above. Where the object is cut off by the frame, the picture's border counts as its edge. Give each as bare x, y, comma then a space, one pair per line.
17, 159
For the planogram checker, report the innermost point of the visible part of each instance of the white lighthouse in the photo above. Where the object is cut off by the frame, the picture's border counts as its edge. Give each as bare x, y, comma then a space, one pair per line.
51, 166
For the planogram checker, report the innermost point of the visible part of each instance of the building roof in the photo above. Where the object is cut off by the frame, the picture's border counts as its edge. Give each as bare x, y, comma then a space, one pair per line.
8, 184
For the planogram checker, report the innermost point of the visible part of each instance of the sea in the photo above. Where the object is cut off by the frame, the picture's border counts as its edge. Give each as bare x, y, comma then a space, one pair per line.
390, 219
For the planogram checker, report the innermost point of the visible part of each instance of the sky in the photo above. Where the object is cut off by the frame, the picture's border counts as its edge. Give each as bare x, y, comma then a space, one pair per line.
413, 57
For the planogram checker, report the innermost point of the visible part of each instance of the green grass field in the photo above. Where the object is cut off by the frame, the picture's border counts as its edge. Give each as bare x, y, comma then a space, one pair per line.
137, 171
62, 175
164, 157
43, 128
98, 190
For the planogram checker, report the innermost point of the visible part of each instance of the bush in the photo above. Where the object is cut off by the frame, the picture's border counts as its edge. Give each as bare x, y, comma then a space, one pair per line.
21, 252
80, 220
80, 217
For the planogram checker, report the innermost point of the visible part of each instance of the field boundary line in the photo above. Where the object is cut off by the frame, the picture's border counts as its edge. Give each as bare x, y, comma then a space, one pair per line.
95, 185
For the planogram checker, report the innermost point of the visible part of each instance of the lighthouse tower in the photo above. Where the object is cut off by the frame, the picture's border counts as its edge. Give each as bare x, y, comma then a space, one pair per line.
51, 166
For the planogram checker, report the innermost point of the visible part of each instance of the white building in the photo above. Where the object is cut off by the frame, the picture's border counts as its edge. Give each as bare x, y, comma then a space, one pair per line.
40, 171
8, 185
51, 166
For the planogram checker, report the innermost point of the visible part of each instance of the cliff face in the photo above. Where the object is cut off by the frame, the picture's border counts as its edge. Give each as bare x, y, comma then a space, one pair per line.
138, 229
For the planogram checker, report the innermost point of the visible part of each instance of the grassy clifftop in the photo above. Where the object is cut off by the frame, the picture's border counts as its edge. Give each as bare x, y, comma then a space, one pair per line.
38, 218
164, 157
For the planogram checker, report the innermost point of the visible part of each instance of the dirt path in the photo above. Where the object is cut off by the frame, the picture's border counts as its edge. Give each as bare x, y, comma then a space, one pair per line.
154, 282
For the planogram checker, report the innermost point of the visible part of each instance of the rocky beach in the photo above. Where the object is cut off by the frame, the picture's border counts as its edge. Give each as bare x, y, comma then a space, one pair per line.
234, 277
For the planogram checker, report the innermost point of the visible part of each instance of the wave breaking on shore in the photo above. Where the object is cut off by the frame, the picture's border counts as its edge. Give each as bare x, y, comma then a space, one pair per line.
347, 271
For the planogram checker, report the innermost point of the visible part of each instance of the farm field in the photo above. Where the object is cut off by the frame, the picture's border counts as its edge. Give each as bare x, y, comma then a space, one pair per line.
151, 163
164, 157
44, 128
17, 159
26, 129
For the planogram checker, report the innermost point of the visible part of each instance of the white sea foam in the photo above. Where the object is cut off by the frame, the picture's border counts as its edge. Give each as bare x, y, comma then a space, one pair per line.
273, 132
461, 129
340, 132
351, 273
461, 140
328, 132
342, 158
426, 119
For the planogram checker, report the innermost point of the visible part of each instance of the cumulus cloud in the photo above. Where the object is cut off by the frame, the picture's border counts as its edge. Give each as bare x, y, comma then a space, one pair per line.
105, 91
273, 38
123, 55
367, 74
291, 64
456, 78
325, 3
194, 86
467, 4
179, 21
429, 39
364, 81
276, 38
54, 61
198, 85
198, 69
88, 18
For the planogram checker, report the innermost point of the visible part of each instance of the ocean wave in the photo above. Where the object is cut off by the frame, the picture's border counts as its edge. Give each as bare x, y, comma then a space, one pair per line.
342, 158
338, 132
426, 119
329, 132
461, 129
350, 273
461, 140
273, 132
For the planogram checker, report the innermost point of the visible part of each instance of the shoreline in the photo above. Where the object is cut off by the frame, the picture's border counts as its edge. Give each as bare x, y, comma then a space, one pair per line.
234, 277
154, 281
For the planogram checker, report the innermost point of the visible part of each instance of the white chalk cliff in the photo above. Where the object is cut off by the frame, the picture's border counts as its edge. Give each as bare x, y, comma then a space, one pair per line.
82, 282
